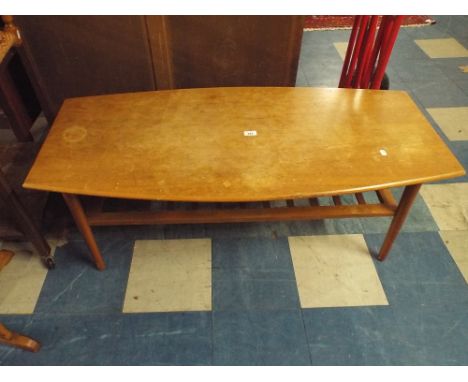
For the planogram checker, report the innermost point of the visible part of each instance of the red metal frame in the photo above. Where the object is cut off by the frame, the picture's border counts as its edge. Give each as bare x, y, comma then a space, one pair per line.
352, 41
368, 54
384, 56
365, 51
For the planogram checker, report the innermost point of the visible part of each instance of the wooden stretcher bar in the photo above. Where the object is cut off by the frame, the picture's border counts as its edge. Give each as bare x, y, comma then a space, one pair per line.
262, 212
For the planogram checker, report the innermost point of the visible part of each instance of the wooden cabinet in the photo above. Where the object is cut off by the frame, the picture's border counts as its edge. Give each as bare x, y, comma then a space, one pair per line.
86, 55
209, 51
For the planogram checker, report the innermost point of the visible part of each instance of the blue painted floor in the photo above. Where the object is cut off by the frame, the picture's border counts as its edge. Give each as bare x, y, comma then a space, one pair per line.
256, 316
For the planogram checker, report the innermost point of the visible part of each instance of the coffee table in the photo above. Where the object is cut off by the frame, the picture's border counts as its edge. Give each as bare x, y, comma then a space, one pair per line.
237, 145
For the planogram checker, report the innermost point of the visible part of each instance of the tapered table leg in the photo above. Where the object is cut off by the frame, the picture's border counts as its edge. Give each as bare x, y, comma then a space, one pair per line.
406, 201
82, 223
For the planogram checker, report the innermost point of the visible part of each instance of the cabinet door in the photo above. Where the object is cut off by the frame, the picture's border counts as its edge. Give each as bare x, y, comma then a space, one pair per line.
88, 55
210, 51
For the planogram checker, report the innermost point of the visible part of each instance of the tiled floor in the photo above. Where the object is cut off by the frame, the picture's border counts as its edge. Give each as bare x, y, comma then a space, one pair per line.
342, 269
162, 269
452, 120
299, 293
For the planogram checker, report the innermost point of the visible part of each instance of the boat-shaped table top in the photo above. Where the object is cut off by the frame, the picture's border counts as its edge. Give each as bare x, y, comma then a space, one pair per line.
239, 144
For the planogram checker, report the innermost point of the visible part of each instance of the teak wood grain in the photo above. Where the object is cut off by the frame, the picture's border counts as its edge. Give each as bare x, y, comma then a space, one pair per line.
189, 145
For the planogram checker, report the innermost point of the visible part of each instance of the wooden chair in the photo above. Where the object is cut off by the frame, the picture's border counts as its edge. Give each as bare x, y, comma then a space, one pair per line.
20, 106
8, 337
19, 222
23, 222
26, 224
10, 99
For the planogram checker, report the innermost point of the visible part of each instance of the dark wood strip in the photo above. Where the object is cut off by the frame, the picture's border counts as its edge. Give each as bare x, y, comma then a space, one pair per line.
386, 197
337, 200
93, 205
314, 201
360, 198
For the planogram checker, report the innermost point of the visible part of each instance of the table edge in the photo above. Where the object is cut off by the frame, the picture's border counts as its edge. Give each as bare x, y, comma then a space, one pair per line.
203, 199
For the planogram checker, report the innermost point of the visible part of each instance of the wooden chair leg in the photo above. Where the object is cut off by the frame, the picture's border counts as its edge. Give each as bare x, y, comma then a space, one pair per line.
36, 82
14, 108
81, 221
24, 222
8, 337
407, 199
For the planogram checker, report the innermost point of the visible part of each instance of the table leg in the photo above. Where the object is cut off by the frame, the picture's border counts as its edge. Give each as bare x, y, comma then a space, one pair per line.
407, 199
81, 221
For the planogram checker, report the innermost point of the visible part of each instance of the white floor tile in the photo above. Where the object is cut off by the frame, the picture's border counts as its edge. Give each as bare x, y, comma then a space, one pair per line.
169, 276
448, 204
335, 271
457, 244
452, 120
341, 47
442, 48
21, 280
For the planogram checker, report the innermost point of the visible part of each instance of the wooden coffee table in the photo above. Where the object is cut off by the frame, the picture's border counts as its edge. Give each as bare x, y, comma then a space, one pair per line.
241, 145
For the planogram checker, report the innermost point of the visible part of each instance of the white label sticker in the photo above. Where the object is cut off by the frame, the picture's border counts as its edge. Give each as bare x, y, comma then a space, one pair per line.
383, 152
250, 133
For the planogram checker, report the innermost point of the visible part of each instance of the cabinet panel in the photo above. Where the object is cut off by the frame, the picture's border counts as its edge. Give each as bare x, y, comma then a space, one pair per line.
86, 55
205, 51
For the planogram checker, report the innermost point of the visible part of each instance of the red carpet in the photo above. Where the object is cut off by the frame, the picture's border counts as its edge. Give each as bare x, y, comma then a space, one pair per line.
346, 22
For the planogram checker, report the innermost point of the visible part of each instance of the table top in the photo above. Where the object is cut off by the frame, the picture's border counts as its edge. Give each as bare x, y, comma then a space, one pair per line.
194, 145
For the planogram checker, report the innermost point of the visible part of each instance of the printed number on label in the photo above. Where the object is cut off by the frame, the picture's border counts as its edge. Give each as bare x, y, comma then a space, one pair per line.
250, 133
